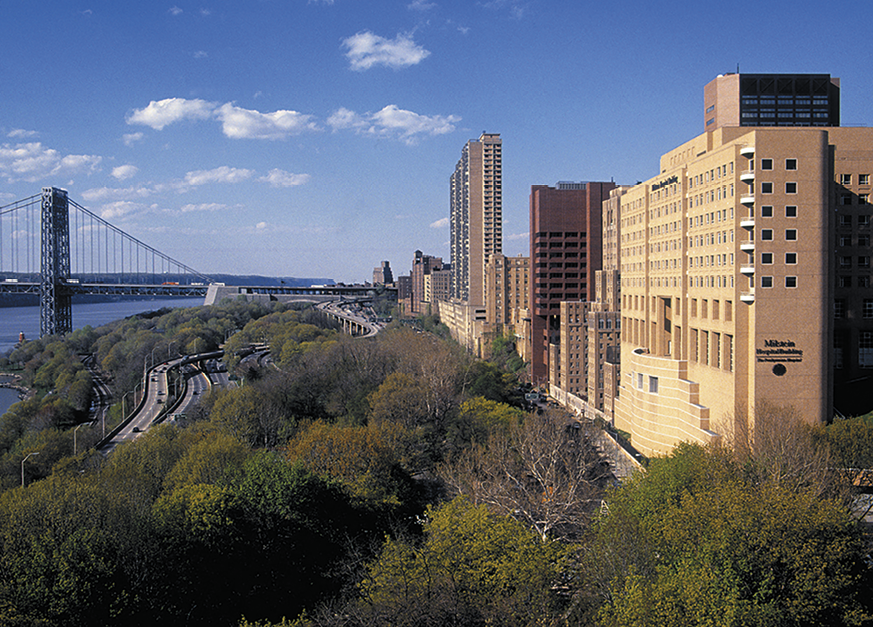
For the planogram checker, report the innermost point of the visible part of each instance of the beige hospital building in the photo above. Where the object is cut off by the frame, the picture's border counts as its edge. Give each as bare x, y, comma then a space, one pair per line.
745, 266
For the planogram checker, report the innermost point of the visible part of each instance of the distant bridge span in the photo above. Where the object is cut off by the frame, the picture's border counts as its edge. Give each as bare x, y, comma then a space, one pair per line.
49, 250
313, 294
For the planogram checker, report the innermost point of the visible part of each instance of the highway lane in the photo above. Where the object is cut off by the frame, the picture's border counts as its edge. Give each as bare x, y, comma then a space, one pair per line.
154, 404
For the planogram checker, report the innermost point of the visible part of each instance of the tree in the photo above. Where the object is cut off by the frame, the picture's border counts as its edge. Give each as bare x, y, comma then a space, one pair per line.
359, 457
546, 472
713, 547
473, 567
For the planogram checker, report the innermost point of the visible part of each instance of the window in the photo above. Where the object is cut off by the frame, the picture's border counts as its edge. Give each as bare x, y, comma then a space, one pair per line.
868, 309
791, 235
863, 199
845, 220
863, 281
863, 220
863, 240
863, 179
767, 258
766, 281
845, 179
767, 188
845, 240
791, 188
790, 258
766, 164
865, 349
839, 308
844, 281
640, 380
791, 211
766, 211
791, 164
791, 281
653, 385
845, 199
766, 234
845, 261
863, 261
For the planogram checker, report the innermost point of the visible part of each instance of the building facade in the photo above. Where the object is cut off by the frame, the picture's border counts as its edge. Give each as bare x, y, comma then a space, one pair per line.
565, 252
383, 275
731, 288
771, 100
476, 216
422, 267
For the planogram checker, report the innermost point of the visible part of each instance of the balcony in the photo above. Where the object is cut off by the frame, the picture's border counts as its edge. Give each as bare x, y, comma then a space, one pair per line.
747, 269
748, 222
747, 151
748, 176
748, 297
748, 246
747, 199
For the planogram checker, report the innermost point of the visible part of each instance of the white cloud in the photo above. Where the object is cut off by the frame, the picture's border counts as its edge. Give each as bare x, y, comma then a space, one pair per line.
224, 174
238, 123
261, 226
201, 54
123, 172
421, 5
280, 178
118, 209
366, 49
393, 121
20, 133
102, 194
175, 11
160, 113
442, 222
208, 206
32, 161
514, 236
130, 139
344, 118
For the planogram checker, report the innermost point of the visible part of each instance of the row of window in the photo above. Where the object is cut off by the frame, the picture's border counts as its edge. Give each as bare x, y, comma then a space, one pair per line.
767, 281
767, 187
767, 164
846, 179
841, 311
767, 211
790, 235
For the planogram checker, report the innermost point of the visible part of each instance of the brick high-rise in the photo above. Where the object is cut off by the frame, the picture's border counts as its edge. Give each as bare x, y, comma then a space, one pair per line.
565, 252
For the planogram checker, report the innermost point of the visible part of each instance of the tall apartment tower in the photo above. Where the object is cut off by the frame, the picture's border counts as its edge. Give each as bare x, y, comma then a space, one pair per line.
476, 217
565, 252
771, 100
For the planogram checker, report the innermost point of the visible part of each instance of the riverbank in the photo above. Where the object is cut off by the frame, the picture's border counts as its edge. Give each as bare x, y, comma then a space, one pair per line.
12, 381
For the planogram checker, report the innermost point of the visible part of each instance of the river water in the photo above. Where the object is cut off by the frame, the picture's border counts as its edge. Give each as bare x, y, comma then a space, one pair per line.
15, 320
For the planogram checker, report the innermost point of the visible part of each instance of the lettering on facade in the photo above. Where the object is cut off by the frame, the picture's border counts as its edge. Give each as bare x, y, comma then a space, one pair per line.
669, 181
779, 350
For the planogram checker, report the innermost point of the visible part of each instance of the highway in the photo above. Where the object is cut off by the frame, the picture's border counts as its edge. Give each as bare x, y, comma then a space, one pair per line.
157, 392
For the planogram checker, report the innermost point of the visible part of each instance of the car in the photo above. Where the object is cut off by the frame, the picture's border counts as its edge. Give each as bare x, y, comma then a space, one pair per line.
160, 401
137, 430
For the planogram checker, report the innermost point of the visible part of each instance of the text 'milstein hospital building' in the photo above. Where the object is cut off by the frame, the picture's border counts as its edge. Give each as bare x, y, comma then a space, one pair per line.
745, 266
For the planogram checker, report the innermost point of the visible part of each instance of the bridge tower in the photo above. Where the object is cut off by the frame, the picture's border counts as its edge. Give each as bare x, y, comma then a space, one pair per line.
55, 305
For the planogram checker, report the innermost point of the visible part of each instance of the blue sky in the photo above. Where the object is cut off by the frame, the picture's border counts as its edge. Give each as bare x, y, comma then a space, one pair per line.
316, 138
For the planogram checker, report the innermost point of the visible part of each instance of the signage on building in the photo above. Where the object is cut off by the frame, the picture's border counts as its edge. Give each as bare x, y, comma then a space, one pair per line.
669, 181
779, 350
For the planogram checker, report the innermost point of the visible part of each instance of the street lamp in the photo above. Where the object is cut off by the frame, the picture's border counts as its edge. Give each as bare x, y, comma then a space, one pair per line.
29, 455
123, 412
74, 436
169, 347
153, 356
